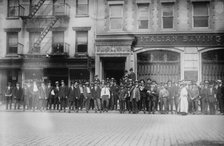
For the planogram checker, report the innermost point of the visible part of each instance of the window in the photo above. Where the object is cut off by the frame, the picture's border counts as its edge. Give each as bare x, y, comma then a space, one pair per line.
167, 15
201, 14
33, 38
116, 16
82, 7
143, 16
58, 42
13, 8
81, 41
12, 42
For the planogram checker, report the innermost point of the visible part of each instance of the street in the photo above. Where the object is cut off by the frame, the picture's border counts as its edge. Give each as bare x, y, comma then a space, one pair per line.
52, 129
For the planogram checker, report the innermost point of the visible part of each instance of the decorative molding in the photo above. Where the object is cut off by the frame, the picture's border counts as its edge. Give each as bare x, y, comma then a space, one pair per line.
113, 49
12, 29
81, 28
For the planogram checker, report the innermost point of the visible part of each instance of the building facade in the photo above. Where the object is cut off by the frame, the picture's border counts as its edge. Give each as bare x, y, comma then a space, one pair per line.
46, 40
75, 39
160, 39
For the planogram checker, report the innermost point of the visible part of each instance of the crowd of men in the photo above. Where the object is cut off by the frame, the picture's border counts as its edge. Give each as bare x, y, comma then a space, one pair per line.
130, 96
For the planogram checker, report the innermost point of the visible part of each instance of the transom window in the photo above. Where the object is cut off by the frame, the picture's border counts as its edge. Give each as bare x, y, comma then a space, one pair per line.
82, 7
143, 16
200, 14
116, 16
167, 15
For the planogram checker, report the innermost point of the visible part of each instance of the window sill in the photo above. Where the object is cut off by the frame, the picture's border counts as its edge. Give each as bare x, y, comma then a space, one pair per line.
12, 18
11, 55
82, 16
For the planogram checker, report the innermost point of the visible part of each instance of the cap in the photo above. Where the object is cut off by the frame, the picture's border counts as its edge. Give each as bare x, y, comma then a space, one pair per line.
206, 82
56, 82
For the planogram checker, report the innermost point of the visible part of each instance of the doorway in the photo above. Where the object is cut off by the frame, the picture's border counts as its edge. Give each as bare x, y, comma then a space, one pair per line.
113, 67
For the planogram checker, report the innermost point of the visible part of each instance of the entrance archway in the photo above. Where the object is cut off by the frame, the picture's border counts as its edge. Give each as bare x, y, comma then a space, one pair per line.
159, 65
212, 65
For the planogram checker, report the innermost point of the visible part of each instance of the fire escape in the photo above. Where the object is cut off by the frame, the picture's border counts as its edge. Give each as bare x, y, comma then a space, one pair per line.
35, 49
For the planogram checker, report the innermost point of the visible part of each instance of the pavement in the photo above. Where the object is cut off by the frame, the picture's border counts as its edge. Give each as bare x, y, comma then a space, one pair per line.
19, 128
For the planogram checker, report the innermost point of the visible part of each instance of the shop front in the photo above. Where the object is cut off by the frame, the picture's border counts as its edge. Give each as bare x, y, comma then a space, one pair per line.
113, 56
188, 56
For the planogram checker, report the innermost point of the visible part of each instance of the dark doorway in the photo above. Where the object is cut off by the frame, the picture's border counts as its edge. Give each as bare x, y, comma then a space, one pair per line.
56, 74
113, 67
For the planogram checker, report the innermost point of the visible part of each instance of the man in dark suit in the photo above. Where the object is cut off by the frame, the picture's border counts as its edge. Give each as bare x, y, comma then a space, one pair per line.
49, 90
63, 94
17, 96
96, 91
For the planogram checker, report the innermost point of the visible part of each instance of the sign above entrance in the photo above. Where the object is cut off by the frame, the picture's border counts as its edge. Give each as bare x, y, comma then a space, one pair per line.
113, 49
197, 39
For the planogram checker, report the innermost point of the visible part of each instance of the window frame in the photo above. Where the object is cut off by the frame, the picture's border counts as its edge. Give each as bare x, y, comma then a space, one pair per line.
76, 42
8, 45
15, 7
162, 17
148, 18
208, 7
116, 17
82, 15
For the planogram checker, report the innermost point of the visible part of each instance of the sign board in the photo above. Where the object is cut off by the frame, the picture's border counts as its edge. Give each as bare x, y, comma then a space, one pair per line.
196, 39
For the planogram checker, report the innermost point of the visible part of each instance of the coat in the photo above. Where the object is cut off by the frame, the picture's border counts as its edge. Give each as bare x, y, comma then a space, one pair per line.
63, 92
43, 93
17, 93
96, 92
135, 94
73, 93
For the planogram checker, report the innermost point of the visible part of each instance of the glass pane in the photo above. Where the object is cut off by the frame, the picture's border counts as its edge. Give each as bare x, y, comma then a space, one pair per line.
172, 56
143, 24
82, 48
13, 3
33, 37
116, 23
201, 21
82, 37
12, 39
13, 11
82, 9
116, 10
12, 50
167, 22
200, 9
167, 10
82, 1
58, 37
143, 11
158, 56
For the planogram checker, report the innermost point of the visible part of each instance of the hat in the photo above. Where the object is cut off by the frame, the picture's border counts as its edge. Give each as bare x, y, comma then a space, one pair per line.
131, 69
206, 82
219, 81
56, 82
87, 83
62, 81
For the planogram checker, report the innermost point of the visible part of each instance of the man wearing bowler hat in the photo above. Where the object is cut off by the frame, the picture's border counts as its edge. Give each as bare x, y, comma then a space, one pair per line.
63, 95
